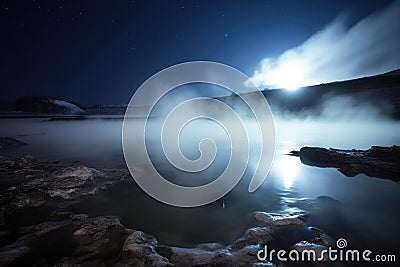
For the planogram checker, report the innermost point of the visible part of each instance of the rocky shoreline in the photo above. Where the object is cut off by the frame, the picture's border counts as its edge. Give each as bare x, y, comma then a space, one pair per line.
378, 161
58, 237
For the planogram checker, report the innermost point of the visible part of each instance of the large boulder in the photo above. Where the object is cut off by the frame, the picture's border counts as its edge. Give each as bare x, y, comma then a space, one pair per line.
380, 162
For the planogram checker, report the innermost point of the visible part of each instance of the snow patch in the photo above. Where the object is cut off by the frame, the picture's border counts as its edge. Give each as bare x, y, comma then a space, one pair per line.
69, 107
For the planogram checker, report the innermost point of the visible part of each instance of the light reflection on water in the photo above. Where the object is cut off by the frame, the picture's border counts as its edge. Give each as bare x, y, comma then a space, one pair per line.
366, 211
287, 168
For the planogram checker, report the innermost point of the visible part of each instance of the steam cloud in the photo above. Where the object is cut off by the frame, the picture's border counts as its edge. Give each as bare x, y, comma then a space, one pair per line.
371, 46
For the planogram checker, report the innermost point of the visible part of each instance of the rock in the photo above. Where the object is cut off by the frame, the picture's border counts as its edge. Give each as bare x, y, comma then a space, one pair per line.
321, 238
191, 256
254, 236
68, 181
11, 253
99, 238
26, 166
379, 162
139, 250
312, 249
275, 219
10, 142
64, 239
245, 256
77, 240
294, 153
23, 201
32, 240
44, 181
210, 246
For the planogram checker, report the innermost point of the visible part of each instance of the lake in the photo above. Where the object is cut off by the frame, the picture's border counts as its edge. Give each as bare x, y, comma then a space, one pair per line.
362, 209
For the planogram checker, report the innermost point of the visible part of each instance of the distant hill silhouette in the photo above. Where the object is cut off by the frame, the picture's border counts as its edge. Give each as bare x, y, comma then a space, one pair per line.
45, 105
380, 90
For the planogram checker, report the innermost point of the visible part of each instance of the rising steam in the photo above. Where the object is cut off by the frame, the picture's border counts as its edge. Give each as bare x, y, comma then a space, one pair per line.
338, 52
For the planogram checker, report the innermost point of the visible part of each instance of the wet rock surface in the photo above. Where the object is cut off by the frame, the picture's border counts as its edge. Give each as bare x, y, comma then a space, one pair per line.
55, 236
379, 162
276, 219
39, 183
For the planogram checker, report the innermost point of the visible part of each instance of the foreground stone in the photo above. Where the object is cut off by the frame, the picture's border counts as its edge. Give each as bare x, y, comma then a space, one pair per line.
41, 182
61, 238
82, 240
64, 239
103, 240
380, 162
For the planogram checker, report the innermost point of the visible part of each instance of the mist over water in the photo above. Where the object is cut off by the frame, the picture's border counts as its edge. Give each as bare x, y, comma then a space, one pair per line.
95, 142
343, 124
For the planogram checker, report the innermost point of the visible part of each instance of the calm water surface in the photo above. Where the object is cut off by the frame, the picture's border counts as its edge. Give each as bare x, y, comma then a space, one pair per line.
363, 210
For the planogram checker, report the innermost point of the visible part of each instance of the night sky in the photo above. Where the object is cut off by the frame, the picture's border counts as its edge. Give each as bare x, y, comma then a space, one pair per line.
99, 52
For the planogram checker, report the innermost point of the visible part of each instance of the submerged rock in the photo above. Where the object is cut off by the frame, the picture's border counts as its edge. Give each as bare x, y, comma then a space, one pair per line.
321, 238
10, 142
380, 162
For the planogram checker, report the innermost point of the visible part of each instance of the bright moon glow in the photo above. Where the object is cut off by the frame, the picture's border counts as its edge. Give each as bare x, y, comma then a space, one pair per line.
289, 76
336, 52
